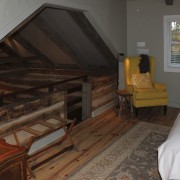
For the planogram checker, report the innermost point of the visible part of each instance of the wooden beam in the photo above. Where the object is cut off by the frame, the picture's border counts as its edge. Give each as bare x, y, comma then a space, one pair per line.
9, 87
57, 71
8, 50
8, 60
169, 2
87, 100
68, 66
84, 77
27, 45
94, 37
9, 73
26, 82
28, 106
53, 34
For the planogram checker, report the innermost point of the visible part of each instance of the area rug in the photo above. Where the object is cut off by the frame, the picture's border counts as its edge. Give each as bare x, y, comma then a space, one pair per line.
133, 156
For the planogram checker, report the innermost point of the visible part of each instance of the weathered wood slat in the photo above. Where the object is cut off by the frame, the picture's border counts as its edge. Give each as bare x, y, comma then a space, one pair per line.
31, 131
103, 90
8, 60
26, 44
12, 87
27, 81
64, 44
91, 33
104, 80
57, 71
45, 87
8, 49
49, 125
12, 72
48, 76
8, 126
19, 109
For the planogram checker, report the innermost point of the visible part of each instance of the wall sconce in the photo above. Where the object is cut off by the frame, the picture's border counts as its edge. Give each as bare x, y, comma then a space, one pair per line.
120, 57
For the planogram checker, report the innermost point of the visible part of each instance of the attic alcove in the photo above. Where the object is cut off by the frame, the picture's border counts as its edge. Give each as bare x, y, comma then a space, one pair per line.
52, 46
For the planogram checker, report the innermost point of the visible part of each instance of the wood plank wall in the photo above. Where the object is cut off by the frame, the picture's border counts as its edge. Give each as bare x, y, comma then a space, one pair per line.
103, 90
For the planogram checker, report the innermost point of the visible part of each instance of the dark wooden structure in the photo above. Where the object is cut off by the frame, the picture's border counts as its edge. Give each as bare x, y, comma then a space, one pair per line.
12, 162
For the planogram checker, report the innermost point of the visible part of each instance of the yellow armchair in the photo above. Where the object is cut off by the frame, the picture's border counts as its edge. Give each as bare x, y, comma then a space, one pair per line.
153, 95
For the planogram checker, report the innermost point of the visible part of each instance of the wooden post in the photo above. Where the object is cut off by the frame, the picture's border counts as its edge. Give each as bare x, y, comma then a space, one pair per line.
65, 104
1, 99
51, 88
86, 100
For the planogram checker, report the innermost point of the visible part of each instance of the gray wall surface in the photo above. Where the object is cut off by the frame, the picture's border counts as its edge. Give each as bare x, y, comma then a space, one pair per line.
145, 24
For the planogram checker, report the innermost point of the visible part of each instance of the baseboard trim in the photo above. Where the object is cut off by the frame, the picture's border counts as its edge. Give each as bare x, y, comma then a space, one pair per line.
175, 105
102, 109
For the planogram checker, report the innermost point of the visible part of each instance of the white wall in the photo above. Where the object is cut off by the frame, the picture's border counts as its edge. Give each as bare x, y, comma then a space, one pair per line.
145, 23
14, 12
108, 16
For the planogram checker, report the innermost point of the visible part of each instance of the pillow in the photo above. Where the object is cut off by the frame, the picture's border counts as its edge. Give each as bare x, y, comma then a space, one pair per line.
142, 81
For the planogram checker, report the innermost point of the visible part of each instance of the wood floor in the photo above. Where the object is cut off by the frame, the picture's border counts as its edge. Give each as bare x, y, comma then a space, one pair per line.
95, 134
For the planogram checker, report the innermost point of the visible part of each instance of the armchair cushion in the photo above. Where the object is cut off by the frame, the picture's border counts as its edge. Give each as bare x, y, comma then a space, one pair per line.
159, 86
141, 81
143, 90
151, 95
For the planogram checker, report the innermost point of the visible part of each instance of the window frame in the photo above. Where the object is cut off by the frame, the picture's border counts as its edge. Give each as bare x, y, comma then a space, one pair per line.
168, 67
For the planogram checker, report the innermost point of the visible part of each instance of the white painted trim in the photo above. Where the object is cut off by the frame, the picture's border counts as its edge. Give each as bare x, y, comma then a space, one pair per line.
69, 4
175, 105
166, 20
102, 109
20, 18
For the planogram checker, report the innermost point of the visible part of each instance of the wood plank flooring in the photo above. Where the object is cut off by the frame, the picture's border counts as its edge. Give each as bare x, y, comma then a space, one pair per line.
95, 134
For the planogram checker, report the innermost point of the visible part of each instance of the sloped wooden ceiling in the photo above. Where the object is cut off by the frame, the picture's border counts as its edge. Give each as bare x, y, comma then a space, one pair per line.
62, 38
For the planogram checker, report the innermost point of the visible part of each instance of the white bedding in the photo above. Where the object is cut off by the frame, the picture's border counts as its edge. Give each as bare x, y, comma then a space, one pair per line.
169, 154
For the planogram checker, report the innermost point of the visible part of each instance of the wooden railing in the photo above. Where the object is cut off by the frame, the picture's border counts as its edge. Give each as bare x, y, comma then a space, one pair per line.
55, 94
49, 86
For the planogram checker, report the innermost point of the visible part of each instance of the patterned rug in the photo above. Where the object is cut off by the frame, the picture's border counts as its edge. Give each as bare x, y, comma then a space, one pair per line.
131, 157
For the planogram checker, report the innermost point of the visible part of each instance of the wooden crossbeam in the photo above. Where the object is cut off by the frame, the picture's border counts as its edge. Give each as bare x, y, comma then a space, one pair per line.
31, 131
57, 39
91, 33
7, 60
34, 50
9, 73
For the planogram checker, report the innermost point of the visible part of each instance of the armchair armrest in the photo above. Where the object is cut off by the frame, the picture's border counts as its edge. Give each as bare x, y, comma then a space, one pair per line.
130, 88
159, 86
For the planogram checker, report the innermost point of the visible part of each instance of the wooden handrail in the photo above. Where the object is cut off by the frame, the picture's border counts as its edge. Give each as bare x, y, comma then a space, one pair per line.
7, 60
49, 85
